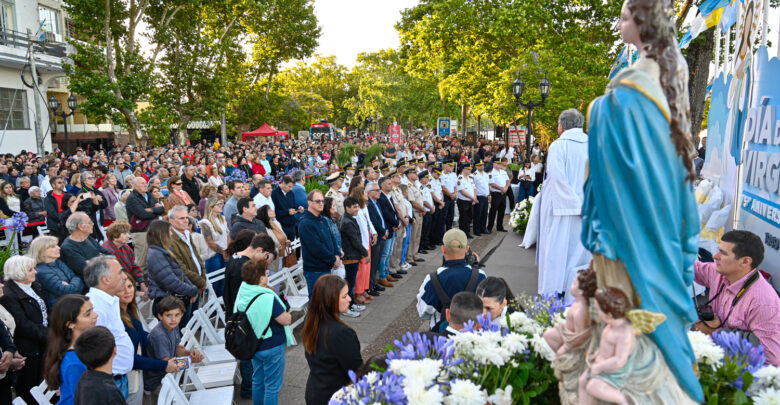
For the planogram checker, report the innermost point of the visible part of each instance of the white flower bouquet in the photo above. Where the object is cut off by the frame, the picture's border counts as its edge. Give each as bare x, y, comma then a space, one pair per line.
519, 216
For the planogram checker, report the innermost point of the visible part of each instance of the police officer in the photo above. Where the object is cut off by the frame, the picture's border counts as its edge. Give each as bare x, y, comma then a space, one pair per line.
449, 182
335, 180
499, 185
349, 173
467, 198
427, 195
481, 180
437, 228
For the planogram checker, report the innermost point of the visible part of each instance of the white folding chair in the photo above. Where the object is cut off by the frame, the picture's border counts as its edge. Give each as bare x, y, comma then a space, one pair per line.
210, 375
172, 394
41, 395
18, 401
213, 353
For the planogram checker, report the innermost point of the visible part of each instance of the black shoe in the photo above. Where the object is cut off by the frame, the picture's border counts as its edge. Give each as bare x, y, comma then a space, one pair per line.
373, 293
397, 275
477, 233
429, 247
502, 230
485, 232
379, 288
412, 264
420, 260
469, 236
401, 272
422, 252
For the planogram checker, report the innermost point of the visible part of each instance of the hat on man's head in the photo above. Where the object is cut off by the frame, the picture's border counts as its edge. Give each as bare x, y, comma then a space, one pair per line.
348, 166
467, 166
333, 177
423, 174
480, 163
448, 162
436, 169
384, 167
401, 162
455, 239
392, 173
410, 171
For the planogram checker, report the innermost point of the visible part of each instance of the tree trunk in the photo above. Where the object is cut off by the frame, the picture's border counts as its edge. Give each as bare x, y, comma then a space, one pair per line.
181, 133
699, 56
133, 127
464, 109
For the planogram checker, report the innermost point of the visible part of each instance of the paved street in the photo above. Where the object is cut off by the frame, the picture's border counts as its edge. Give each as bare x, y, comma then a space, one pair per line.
394, 312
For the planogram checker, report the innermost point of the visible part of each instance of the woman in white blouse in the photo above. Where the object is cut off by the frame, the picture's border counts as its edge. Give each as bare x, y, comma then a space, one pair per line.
538, 172
368, 237
526, 176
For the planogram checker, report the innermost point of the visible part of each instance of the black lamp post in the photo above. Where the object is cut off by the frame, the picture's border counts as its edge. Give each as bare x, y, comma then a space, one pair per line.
54, 104
517, 90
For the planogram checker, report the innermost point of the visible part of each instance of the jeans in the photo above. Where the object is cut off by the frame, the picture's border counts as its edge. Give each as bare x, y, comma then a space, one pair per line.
268, 374
524, 192
387, 250
351, 271
312, 277
405, 246
245, 366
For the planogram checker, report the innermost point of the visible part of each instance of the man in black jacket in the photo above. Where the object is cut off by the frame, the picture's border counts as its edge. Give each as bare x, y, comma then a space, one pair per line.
11, 361
354, 252
284, 206
92, 204
141, 206
53, 206
190, 184
246, 218
374, 213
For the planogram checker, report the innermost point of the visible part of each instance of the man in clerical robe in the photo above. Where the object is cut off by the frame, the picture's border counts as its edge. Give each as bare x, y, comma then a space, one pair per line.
560, 253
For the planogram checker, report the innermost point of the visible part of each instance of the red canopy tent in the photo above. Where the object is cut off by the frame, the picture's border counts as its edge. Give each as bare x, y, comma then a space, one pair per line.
265, 130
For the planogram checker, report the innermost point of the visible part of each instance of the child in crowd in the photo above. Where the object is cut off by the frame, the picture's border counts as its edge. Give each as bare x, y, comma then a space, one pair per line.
164, 340
96, 349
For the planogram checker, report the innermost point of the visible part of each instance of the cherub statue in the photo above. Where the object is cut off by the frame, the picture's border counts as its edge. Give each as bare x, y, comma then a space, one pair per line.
612, 364
576, 330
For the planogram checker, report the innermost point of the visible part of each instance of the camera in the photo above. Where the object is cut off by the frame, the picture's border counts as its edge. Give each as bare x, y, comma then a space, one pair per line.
471, 259
706, 313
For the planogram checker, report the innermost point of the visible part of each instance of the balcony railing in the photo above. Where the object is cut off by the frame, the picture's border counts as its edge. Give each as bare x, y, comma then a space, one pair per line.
48, 46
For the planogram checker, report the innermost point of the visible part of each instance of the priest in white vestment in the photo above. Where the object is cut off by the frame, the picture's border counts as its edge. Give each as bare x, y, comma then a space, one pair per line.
560, 254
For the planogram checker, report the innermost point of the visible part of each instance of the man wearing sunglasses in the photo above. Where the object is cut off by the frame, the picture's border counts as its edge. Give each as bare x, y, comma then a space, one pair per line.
318, 245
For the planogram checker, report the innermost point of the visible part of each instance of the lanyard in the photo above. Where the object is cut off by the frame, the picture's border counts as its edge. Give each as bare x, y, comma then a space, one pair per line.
752, 279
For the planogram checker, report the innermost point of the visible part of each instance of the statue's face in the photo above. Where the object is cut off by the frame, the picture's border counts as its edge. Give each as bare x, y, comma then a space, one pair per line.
629, 31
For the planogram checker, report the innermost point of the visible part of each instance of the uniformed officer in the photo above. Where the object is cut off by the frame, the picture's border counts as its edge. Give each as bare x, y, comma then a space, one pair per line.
416, 200
335, 180
349, 173
430, 210
467, 198
481, 180
449, 182
437, 228
499, 184
404, 217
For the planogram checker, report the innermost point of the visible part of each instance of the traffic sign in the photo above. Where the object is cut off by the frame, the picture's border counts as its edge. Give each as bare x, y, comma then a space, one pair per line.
443, 129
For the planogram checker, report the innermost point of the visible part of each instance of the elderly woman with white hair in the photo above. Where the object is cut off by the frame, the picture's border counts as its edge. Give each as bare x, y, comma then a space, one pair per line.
24, 298
120, 211
56, 278
34, 206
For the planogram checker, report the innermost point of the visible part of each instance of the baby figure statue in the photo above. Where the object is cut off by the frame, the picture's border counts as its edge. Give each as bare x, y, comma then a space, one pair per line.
612, 363
570, 339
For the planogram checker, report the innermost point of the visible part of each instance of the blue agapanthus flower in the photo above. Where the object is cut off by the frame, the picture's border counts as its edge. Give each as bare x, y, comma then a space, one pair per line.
749, 357
486, 324
387, 389
415, 346
17, 222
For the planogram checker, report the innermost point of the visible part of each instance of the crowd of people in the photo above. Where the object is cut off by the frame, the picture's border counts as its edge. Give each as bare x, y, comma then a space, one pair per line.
110, 227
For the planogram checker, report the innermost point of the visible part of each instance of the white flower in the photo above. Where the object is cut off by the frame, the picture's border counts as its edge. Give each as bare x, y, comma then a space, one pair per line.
521, 323
542, 348
559, 318
501, 397
769, 396
372, 377
423, 371
705, 350
419, 395
465, 392
767, 376
515, 343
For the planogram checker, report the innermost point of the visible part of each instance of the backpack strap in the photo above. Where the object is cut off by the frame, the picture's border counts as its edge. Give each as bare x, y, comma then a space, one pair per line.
260, 338
252, 302
472, 284
444, 299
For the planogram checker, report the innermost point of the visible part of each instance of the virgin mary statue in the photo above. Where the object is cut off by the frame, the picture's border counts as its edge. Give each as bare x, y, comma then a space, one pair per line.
639, 213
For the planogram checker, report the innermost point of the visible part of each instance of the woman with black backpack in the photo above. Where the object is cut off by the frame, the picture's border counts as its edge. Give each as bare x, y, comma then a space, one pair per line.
271, 324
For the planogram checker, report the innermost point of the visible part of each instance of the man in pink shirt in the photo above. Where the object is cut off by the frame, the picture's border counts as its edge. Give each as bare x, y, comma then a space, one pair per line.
736, 262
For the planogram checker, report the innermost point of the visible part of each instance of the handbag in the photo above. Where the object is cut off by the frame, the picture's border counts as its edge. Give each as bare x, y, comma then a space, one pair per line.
138, 224
289, 260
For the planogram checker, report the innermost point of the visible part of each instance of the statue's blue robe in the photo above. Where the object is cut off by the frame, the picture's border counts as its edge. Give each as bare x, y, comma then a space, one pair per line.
639, 209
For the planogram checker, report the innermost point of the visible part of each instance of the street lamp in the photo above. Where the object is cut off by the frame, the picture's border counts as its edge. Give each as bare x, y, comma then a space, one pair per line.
517, 89
54, 104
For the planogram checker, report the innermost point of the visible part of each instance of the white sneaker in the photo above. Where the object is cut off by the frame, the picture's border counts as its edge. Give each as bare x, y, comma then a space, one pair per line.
406, 266
352, 314
358, 307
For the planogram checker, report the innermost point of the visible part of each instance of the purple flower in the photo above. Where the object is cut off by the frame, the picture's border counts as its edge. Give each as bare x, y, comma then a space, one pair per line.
748, 357
18, 222
322, 183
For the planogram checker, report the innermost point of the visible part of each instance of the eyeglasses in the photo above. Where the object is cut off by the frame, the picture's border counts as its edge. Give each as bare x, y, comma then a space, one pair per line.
318, 201
177, 184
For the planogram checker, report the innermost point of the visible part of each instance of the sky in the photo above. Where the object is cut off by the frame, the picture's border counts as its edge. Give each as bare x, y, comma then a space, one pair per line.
350, 27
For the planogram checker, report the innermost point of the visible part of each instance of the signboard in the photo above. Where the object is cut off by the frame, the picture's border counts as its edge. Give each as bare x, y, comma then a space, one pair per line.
454, 127
443, 129
302, 135
395, 133
516, 136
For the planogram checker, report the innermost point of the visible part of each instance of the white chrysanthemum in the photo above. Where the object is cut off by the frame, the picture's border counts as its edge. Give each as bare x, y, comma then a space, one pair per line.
487, 355
767, 376
521, 323
501, 397
417, 394
465, 392
559, 318
515, 343
542, 348
769, 396
705, 350
422, 371
372, 377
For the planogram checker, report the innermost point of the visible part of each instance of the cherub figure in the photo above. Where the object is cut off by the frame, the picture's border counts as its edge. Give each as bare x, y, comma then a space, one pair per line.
612, 363
575, 331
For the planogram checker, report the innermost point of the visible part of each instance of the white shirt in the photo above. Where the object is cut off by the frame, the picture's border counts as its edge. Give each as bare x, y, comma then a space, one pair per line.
526, 172
466, 184
45, 186
107, 308
481, 181
345, 186
436, 188
261, 200
426, 194
449, 181
507, 153
498, 177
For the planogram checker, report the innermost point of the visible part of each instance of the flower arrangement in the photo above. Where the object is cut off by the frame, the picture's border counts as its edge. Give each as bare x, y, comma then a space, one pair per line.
502, 362
16, 224
545, 309
520, 215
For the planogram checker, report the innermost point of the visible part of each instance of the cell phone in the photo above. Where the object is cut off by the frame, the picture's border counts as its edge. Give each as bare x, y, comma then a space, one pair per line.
183, 362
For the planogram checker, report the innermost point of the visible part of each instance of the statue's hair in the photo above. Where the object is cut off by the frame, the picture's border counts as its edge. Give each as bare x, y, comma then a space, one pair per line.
612, 301
657, 31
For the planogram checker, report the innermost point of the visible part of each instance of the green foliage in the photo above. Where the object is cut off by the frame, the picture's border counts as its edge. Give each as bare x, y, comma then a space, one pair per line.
374, 151
345, 153
718, 383
316, 183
